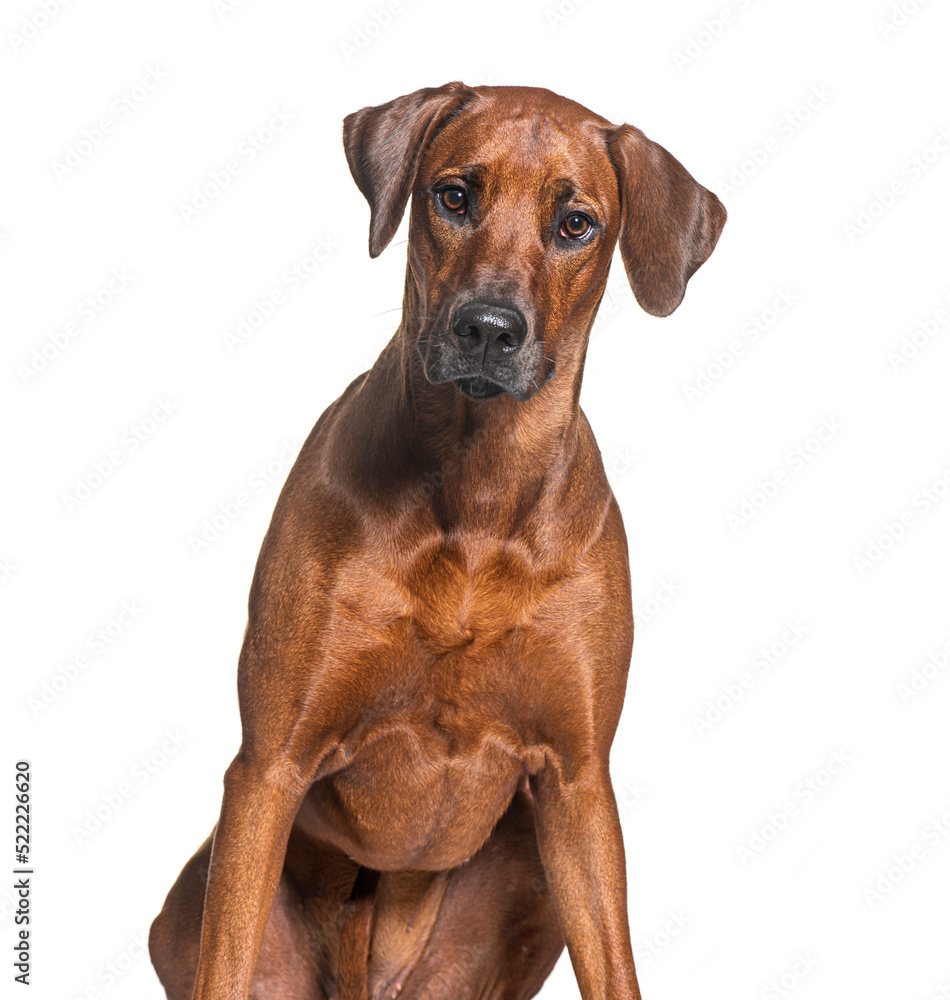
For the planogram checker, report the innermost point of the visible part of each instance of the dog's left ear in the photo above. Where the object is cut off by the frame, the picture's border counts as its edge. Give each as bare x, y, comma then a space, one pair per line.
669, 223
384, 145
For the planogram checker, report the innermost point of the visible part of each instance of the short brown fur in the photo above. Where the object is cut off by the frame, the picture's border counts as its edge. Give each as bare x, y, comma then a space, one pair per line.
440, 621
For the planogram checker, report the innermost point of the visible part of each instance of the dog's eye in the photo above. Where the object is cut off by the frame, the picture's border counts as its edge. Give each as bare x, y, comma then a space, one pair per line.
455, 200
575, 226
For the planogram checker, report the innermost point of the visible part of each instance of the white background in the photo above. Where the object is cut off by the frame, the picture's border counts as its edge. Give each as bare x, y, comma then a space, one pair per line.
805, 187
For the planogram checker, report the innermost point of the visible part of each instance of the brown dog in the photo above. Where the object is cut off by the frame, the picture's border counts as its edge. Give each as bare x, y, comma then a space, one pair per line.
440, 622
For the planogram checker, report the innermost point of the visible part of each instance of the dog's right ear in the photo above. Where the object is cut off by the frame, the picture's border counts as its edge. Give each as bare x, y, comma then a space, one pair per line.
384, 145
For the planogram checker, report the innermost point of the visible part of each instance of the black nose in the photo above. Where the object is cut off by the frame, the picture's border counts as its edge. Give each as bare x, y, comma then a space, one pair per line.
497, 331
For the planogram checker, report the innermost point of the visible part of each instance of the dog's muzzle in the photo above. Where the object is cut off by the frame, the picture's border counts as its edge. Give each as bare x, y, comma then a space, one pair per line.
484, 353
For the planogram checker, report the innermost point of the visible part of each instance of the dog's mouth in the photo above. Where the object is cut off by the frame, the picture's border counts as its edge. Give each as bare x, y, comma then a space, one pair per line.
481, 378
479, 388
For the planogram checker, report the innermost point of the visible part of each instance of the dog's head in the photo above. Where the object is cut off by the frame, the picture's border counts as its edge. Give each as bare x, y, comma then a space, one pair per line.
519, 198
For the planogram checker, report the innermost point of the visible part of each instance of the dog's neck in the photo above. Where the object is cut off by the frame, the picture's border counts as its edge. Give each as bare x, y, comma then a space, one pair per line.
410, 434
480, 464
535, 432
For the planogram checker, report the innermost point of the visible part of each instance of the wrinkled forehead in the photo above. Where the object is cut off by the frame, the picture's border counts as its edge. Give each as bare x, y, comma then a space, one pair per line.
512, 134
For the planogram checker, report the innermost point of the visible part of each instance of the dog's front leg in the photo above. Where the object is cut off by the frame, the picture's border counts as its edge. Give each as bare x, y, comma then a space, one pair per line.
250, 841
582, 852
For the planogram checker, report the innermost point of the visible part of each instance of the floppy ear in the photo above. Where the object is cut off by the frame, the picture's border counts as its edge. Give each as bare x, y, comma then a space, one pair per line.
384, 145
669, 223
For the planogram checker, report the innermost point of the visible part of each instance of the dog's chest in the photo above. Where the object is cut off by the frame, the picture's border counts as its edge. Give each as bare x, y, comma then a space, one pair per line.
450, 635
455, 657
468, 594
437, 762
438, 596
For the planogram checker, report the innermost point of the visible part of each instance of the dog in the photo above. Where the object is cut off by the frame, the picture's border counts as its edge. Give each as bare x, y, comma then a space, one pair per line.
440, 623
